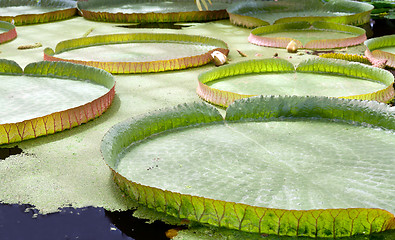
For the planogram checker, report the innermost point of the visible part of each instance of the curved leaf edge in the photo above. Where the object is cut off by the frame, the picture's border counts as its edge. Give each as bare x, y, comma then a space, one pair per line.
317, 65
373, 52
62, 120
280, 42
139, 67
239, 12
7, 35
312, 223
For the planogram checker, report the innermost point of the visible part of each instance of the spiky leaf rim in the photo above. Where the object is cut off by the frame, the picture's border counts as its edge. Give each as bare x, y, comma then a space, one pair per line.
8, 35
62, 120
139, 67
316, 65
329, 223
282, 42
373, 52
239, 12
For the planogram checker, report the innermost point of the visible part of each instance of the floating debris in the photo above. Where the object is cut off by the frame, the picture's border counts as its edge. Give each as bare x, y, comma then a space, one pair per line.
242, 54
30, 46
88, 32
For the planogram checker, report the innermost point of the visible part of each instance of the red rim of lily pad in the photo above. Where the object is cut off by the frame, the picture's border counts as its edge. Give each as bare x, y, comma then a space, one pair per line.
317, 65
7, 35
379, 57
11, 132
257, 36
142, 66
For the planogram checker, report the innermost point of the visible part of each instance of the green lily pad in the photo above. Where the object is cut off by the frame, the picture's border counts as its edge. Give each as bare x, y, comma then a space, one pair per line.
316, 35
22, 12
381, 49
138, 52
315, 77
152, 11
296, 166
260, 13
48, 97
7, 32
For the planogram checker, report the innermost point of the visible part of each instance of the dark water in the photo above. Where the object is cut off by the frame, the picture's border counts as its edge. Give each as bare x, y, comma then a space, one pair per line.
21, 222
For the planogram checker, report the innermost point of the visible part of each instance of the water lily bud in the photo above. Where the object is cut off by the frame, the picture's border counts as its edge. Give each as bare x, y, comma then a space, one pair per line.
219, 58
292, 47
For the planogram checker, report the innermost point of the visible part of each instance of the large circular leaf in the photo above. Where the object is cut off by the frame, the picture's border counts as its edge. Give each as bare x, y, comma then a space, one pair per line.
294, 166
48, 97
138, 52
315, 77
316, 35
259, 13
151, 11
22, 12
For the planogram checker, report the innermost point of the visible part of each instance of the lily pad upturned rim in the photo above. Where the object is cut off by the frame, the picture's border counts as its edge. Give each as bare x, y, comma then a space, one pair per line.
312, 223
8, 35
238, 13
58, 121
151, 17
282, 42
25, 19
373, 51
316, 65
139, 67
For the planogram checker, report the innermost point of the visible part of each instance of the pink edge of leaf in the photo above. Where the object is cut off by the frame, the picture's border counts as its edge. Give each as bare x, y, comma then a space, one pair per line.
8, 36
55, 122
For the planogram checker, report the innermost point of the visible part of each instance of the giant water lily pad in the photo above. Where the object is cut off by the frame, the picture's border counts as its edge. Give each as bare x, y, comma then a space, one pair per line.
139, 52
22, 12
381, 49
297, 166
316, 35
314, 77
48, 97
7, 32
259, 13
151, 11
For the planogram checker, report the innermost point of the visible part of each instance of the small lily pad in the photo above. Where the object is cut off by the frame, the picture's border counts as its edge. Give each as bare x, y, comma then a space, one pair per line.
152, 11
381, 49
295, 166
48, 97
314, 77
7, 32
260, 13
316, 35
22, 12
139, 52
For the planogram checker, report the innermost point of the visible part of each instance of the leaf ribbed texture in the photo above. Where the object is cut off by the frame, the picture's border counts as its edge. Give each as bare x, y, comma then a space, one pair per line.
139, 67
243, 13
282, 42
331, 223
373, 52
58, 121
64, 9
317, 65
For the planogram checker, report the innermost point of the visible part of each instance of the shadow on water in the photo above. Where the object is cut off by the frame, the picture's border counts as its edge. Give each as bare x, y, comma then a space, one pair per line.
5, 152
20, 222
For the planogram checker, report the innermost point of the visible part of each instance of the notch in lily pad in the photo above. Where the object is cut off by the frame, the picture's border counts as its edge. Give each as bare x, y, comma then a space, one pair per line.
314, 77
260, 163
316, 35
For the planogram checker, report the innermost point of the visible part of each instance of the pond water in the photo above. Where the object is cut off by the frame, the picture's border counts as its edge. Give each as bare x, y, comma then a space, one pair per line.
21, 222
